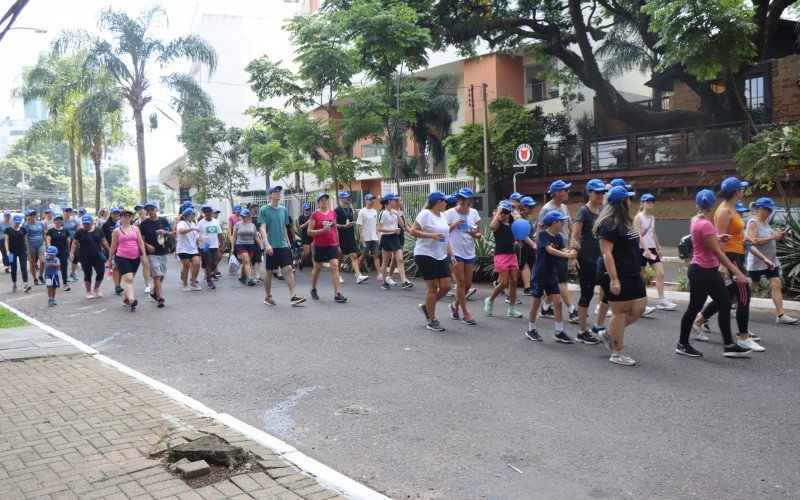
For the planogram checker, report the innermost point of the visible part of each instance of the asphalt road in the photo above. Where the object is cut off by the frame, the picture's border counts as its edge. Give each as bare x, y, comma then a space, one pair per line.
473, 412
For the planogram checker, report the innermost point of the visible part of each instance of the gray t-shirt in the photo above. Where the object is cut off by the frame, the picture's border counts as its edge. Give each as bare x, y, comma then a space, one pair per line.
769, 249
563, 209
245, 233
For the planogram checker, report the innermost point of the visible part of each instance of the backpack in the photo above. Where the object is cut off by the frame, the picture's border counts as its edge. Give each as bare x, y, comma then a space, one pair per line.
685, 248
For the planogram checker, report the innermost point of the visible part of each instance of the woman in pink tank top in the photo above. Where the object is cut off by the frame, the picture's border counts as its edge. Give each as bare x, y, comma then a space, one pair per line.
127, 250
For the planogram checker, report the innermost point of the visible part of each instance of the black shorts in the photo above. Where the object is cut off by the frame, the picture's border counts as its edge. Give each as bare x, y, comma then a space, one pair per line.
280, 258
324, 254
632, 287
766, 273
562, 268
209, 259
539, 289
526, 256
432, 269
305, 239
348, 246
402, 238
651, 262
257, 256
187, 256
125, 266
390, 242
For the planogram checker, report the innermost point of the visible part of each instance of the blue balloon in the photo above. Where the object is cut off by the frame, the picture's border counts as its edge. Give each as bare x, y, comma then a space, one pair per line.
521, 229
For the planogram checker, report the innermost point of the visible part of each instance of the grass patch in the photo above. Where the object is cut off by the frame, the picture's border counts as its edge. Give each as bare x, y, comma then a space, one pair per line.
9, 319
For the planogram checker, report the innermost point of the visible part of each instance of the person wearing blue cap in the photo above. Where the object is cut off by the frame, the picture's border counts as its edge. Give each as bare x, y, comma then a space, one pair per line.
277, 235
322, 227
51, 267
90, 247
585, 241
47, 219
16, 243
71, 224
765, 238
515, 198
58, 237
155, 231
128, 250
367, 222
346, 223
527, 252
463, 226
108, 227
505, 260
389, 220
5, 223
233, 219
305, 239
619, 182
705, 280
645, 223
559, 196
619, 271
102, 216
728, 221
209, 239
187, 251
36, 248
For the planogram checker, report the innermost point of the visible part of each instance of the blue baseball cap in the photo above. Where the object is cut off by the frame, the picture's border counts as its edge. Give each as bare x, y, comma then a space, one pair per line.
705, 199
647, 197
237, 208
67, 209
733, 184
217, 210
306, 206
620, 182
344, 194
466, 193
558, 186
187, 204
49, 211
30, 212
115, 210
58, 216
527, 201
138, 207
595, 185
435, 196
6, 213
205, 207
151, 203
740, 207
275, 188
188, 212
369, 197
618, 193
17, 219
506, 205
81, 210
515, 196
86, 219
452, 199
52, 250
323, 195
245, 213
391, 196
553, 216
767, 203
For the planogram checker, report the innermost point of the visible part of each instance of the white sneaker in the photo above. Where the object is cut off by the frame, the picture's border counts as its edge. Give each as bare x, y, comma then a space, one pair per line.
648, 310
751, 344
195, 287
698, 333
362, 279
666, 305
185, 288
341, 280
147, 289
391, 281
597, 311
785, 320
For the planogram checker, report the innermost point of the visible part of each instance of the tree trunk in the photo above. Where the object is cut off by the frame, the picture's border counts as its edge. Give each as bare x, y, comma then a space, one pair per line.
422, 159
137, 117
97, 157
297, 180
72, 177
79, 175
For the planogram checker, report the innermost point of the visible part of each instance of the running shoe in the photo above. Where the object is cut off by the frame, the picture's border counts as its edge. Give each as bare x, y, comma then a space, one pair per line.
153, 297
391, 281
424, 310
160, 302
698, 333
261, 280
533, 335
275, 274
596, 329
14, 289
547, 313
573, 316
472, 291
340, 298
688, 350
508, 301
67, 288
451, 293
754, 336
8, 269
251, 283
296, 301
218, 274
564, 338
752, 345
435, 326
736, 351
586, 338
211, 286
118, 290
134, 304
488, 306
607, 340
386, 286
526, 291
185, 288
314, 294
454, 312
97, 293
126, 302
147, 289
666, 305
622, 359
51, 302
195, 287
73, 277
513, 313
242, 280
270, 301
36, 281
785, 319
597, 311
407, 285
648, 310
467, 319
89, 295
27, 289
361, 279
215, 277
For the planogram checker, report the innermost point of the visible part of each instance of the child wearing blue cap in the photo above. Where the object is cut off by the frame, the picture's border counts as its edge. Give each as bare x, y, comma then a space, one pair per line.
52, 265
305, 239
505, 260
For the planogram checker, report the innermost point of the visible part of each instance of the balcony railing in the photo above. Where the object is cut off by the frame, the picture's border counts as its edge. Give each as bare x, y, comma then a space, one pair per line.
537, 92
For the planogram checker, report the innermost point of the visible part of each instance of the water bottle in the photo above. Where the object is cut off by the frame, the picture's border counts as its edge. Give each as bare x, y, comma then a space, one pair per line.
10, 258
206, 246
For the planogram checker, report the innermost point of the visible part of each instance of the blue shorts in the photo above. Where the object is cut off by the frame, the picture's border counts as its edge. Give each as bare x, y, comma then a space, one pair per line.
52, 281
462, 260
539, 289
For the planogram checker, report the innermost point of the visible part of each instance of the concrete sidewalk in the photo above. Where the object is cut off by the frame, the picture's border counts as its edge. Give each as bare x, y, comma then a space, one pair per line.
73, 427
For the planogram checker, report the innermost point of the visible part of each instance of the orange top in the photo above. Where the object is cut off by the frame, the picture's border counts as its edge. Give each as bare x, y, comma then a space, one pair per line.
735, 230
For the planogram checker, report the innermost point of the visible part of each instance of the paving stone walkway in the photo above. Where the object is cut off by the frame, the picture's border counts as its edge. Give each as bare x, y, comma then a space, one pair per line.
72, 427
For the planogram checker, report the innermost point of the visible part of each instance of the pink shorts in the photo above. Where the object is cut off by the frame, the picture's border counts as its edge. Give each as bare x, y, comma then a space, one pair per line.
505, 262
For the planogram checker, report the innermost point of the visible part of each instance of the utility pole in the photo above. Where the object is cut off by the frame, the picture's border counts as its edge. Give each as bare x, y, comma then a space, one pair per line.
472, 101
485, 144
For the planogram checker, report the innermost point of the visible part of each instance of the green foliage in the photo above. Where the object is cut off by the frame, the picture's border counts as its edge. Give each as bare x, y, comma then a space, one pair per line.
116, 175
466, 151
704, 37
789, 256
771, 157
123, 195
156, 193
683, 280
45, 168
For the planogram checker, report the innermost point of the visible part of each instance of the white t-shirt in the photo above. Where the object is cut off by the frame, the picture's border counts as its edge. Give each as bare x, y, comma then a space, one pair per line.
648, 229
388, 219
210, 231
368, 220
430, 223
463, 245
547, 207
186, 243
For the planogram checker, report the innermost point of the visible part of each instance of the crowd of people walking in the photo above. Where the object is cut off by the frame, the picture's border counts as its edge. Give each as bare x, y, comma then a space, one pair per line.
608, 244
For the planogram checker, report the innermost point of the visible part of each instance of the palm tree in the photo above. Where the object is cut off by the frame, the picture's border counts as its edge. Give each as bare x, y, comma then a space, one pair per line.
434, 121
129, 53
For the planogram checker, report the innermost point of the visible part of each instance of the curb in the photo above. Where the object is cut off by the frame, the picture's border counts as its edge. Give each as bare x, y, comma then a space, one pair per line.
322, 473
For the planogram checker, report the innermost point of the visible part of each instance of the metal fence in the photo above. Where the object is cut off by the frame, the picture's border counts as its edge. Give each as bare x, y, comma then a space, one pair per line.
294, 201
415, 191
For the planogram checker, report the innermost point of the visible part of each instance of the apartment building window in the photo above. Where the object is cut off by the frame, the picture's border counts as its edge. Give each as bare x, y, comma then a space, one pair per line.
754, 92
536, 88
372, 150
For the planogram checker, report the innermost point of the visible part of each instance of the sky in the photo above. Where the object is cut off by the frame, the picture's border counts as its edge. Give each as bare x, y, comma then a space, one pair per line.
21, 48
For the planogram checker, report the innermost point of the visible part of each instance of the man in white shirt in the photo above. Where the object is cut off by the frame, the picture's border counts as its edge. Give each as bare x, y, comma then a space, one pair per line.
210, 229
367, 223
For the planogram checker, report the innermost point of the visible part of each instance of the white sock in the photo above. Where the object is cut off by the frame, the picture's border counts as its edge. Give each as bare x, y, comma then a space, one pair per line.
572, 309
559, 326
531, 326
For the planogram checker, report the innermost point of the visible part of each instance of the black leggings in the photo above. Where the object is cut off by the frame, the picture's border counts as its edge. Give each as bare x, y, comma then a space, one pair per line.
99, 268
587, 276
739, 292
23, 267
705, 282
63, 260
5, 255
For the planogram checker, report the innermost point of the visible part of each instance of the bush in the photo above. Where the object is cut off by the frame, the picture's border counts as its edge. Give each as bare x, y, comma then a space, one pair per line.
789, 257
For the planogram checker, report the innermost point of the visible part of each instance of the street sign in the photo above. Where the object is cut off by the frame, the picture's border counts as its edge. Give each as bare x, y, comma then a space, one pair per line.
523, 155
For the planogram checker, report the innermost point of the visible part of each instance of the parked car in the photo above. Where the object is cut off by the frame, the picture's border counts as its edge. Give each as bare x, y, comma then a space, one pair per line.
780, 216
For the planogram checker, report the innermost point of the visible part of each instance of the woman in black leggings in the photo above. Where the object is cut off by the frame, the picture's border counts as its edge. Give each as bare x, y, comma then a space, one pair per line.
57, 236
16, 243
91, 243
705, 280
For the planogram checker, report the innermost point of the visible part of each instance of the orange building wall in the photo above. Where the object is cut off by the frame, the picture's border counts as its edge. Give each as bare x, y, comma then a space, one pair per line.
504, 76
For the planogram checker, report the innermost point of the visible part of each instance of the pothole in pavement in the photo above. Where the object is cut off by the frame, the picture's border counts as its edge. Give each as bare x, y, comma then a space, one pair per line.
355, 410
